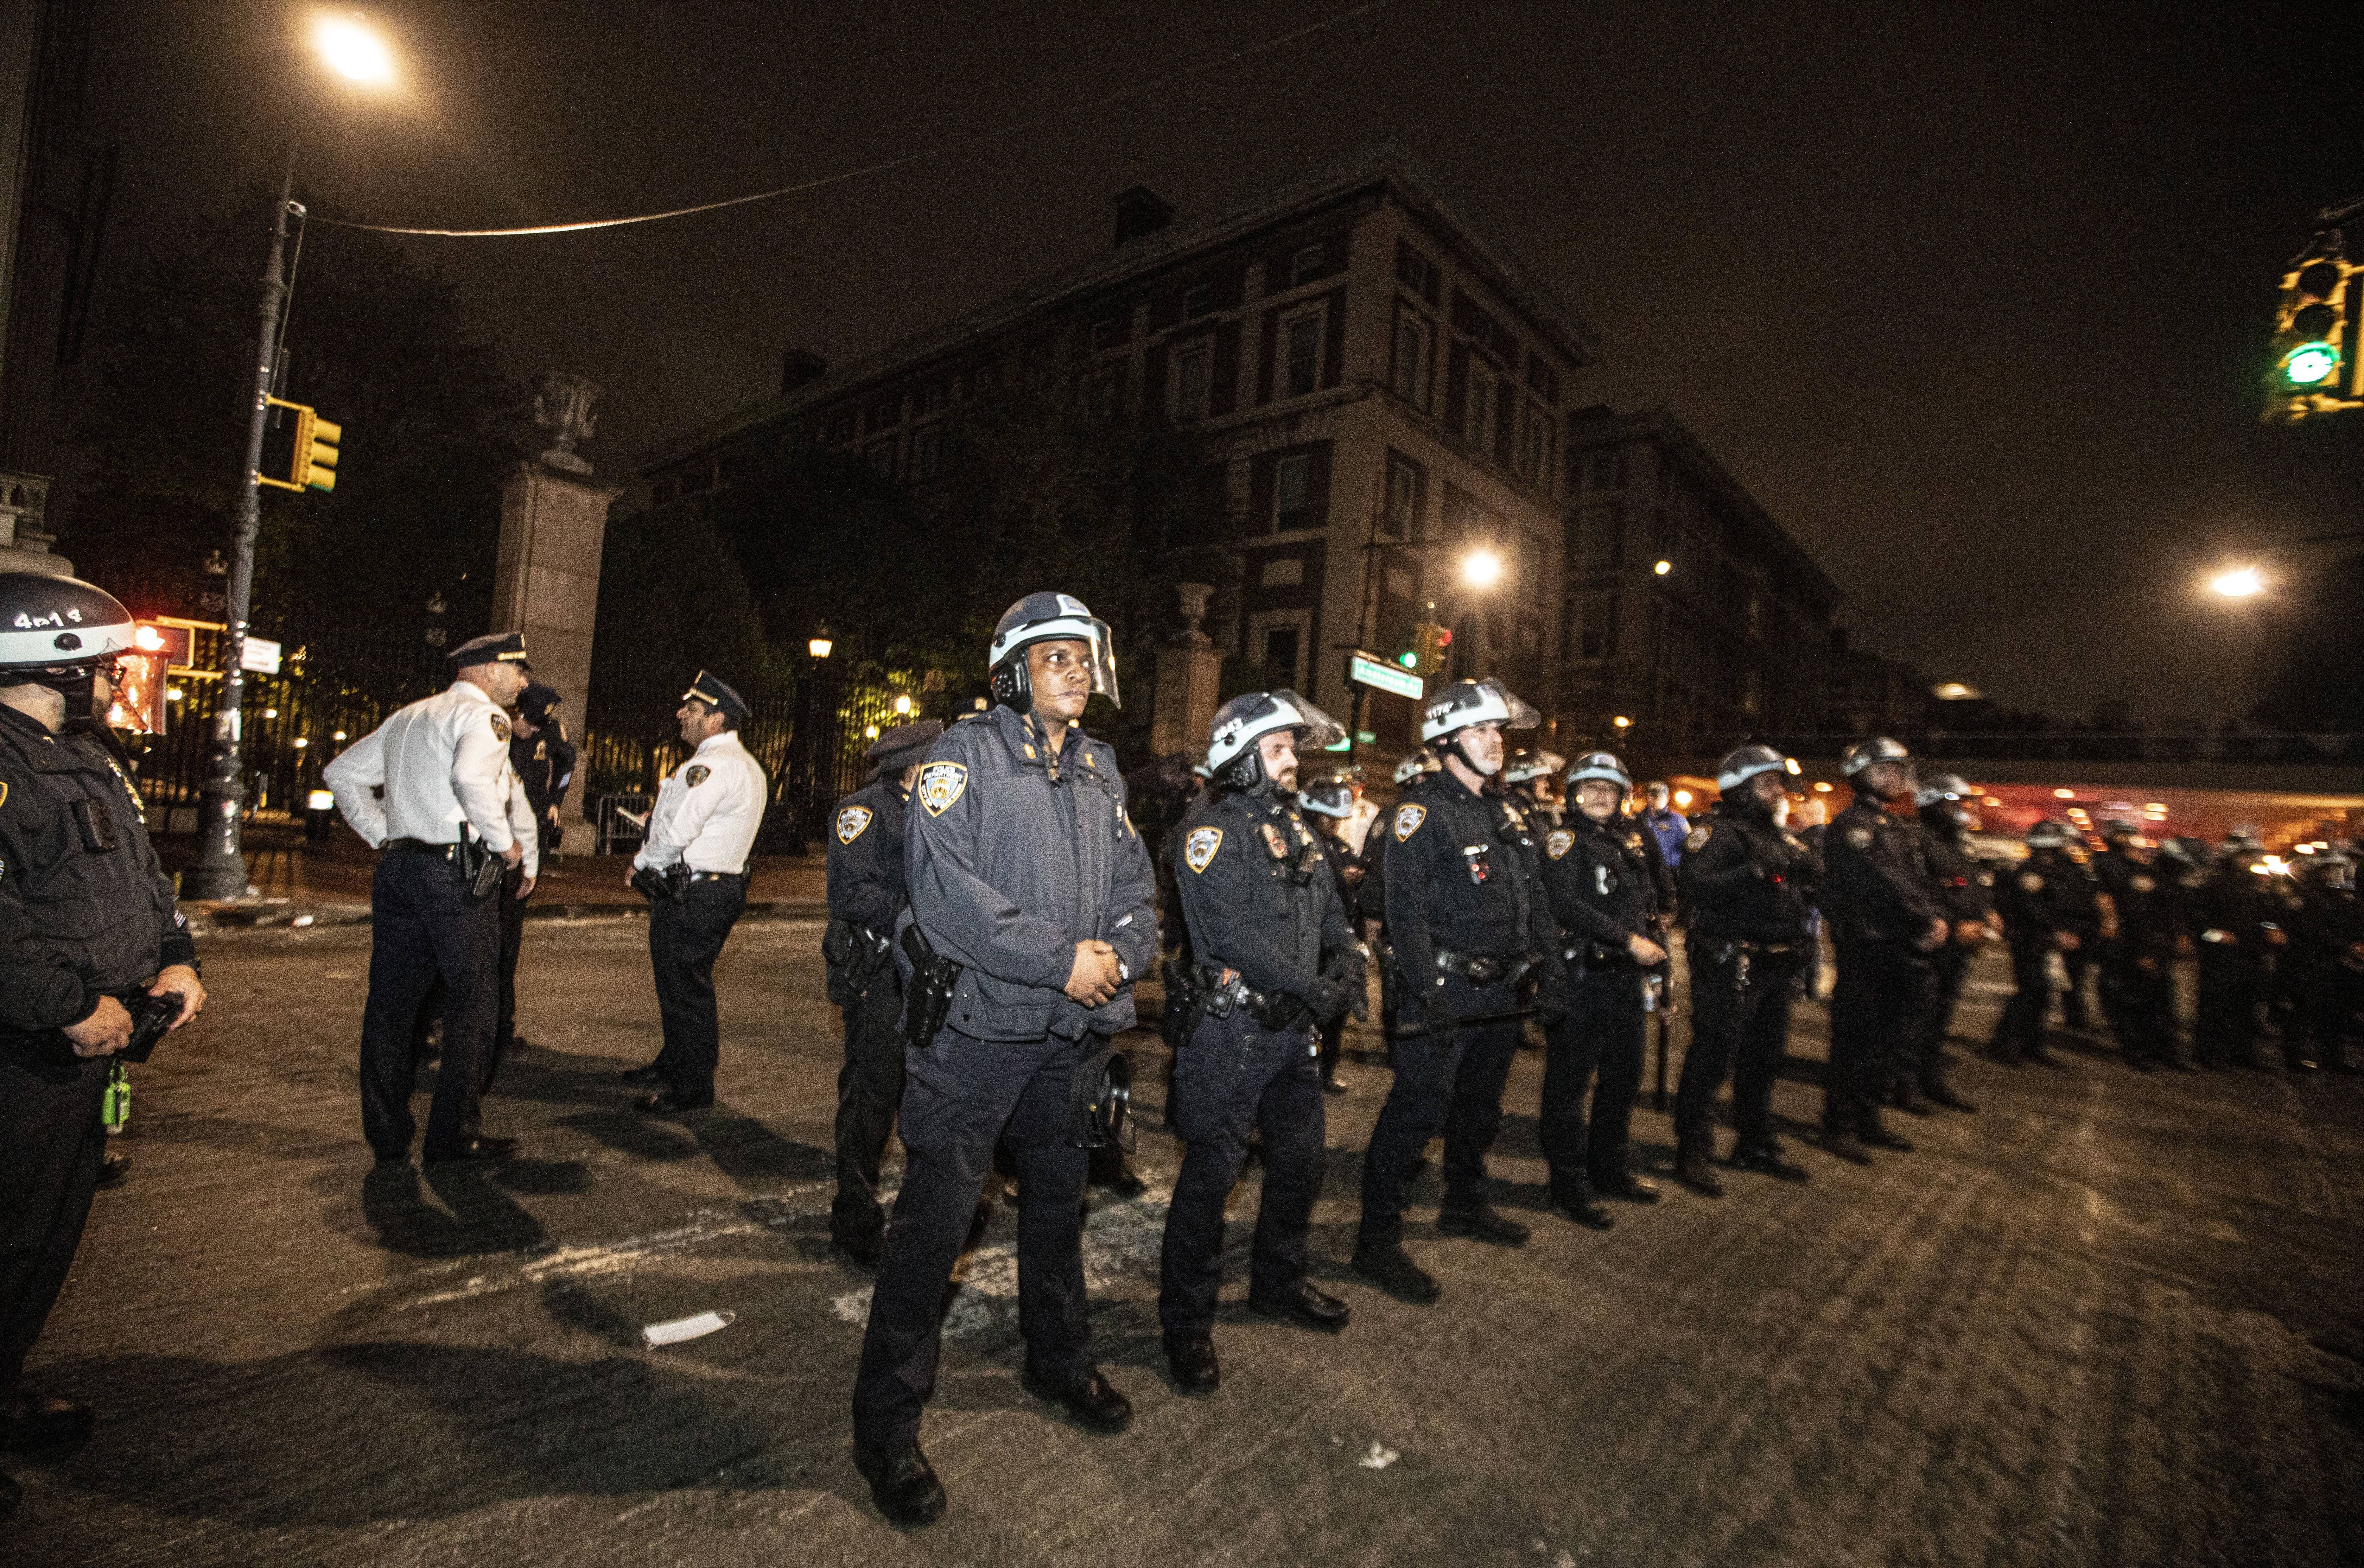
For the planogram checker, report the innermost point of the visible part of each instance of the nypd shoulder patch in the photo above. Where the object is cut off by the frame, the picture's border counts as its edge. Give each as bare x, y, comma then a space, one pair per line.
1696, 839
942, 784
1408, 817
1198, 848
698, 773
2029, 882
850, 821
1558, 842
500, 728
1858, 838
2141, 884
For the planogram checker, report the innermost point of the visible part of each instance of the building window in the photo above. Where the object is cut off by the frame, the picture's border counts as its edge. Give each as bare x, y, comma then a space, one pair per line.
1405, 484
1606, 471
1597, 528
840, 429
1306, 265
1198, 300
1292, 484
1096, 397
1280, 650
881, 458
1412, 337
1535, 439
1193, 380
886, 411
1415, 272
1541, 378
927, 453
1283, 571
1300, 353
1532, 556
1596, 636
1752, 691
931, 398
1111, 332
1481, 427
661, 492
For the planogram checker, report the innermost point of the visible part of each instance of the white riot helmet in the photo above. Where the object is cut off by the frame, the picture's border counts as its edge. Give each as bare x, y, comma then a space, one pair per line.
1602, 765
57, 632
1465, 704
1332, 797
1524, 764
1240, 723
1048, 617
1418, 765
2048, 834
1745, 762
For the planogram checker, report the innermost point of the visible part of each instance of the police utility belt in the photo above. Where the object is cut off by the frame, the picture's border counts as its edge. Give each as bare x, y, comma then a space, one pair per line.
1483, 968
658, 883
1596, 958
857, 951
1227, 991
479, 866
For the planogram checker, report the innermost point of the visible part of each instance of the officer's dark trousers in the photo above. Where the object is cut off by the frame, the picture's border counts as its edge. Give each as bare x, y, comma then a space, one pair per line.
512, 944
685, 936
1880, 1006
423, 926
960, 1097
2073, 964
2224, 1032
1333, 1046
50, 1143
869, 1086
2144, 1003
1454, 1087
2022, 1025
1948, 966
1234, 1076
1603, 1031
1739, 1028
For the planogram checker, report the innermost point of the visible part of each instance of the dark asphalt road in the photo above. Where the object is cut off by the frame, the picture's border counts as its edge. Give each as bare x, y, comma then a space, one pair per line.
2113, 1319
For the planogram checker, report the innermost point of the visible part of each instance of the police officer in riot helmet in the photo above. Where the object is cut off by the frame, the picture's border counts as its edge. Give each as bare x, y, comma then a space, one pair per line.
1885, 922
2329, 956
94, 959
1965, 890
1527, 775
2153, 931
2042, 900
1747, 882
1031, 914
1276, 960
1597, 872
1331, 806
1467, 920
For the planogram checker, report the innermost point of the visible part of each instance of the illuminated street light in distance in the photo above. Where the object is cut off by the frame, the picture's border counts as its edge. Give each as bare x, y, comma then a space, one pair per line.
1822, 788
1481, 568
1663, 567
2241, 582
1954, 691
2064, 795
352, 51
1682, 798
1621, 722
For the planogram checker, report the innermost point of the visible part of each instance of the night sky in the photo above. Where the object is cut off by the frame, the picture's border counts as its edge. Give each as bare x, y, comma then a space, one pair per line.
1972, 298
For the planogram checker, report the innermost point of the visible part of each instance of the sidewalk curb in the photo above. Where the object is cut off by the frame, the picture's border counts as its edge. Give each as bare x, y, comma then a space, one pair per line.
245, 916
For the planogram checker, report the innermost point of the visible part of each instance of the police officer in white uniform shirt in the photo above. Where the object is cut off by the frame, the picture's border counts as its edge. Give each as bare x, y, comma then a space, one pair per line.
450, 801
693, 868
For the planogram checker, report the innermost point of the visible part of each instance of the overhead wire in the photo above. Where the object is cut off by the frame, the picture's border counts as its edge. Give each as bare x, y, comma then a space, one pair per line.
1017, 128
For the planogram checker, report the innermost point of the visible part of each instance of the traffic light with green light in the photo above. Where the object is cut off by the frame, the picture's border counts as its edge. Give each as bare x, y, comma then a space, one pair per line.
2312, 368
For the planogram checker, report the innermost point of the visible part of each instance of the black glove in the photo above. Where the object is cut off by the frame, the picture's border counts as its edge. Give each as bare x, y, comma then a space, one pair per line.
1437, 1014
1326, 1000
1551, 1006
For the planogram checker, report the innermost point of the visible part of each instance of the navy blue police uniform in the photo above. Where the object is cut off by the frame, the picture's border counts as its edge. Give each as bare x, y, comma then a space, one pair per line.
1964, 891
2139, 964
1601, 879
1466, 919
1747, 889
1876, 897
1276, 957
866, 896
2039, 898
1012, 859
86, 913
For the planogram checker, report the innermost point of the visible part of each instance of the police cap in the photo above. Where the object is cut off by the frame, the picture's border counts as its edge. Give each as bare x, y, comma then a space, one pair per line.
535, 701
904, 745
716, 693
493, 648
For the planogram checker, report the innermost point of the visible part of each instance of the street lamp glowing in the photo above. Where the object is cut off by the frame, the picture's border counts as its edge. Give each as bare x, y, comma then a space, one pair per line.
1481, 568
903, 703
1663, 567
1621, 722
819, 647
2241, 582
352, 51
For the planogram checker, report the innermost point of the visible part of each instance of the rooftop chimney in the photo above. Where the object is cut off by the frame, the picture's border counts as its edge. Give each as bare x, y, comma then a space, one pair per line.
797, 366
1141, 211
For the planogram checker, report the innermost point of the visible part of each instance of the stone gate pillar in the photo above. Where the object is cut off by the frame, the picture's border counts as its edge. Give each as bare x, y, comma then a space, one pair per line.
554, 528
1189, 674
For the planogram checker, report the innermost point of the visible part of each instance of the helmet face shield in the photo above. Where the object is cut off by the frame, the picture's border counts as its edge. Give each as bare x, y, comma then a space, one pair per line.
1056, 617
1316, 730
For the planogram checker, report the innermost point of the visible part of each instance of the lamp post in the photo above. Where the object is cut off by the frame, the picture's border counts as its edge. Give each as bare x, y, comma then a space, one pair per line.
220, 869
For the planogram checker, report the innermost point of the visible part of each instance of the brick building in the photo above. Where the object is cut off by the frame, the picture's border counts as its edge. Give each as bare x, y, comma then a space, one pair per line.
1688, 610
1381, 392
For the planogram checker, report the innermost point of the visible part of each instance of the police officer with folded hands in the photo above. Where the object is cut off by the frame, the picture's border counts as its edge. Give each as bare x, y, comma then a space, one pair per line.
1276, 959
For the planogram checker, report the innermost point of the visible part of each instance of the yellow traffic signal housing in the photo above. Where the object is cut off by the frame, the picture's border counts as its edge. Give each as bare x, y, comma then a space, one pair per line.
2314, 348
314, 463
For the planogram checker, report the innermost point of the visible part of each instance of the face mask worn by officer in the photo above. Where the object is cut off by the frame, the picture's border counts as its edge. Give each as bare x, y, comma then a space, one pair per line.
61, 633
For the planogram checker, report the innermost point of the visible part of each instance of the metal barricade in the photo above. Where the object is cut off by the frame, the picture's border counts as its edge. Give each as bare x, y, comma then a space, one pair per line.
622, 821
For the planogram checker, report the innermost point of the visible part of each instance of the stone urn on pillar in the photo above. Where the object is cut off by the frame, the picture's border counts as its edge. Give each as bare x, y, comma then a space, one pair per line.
553, 530
1189, 674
